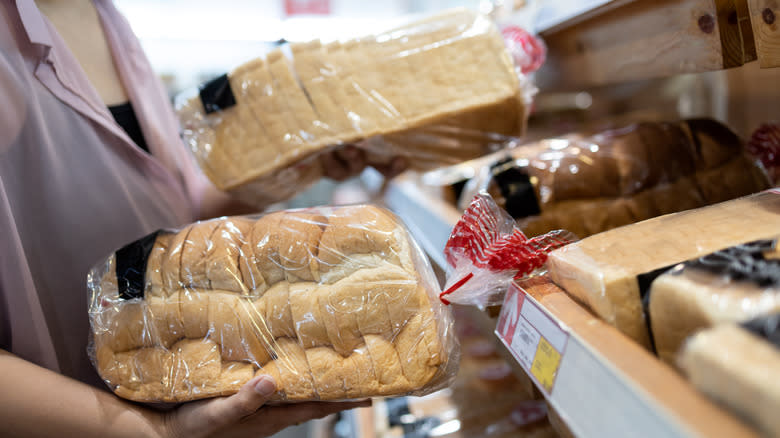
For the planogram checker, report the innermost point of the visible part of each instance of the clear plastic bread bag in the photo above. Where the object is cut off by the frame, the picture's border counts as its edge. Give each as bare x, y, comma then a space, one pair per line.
736, 366
590, 183
731, 285
335, 303
436, 91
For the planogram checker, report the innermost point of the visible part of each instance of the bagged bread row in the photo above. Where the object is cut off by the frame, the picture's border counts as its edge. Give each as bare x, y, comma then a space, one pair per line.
334, 303
587, 184
254, 126
614, 272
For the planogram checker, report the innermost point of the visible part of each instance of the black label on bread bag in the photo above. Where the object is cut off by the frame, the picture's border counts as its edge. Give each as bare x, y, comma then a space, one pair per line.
766, 327
517, 189
746, 262
217, 95
131, 266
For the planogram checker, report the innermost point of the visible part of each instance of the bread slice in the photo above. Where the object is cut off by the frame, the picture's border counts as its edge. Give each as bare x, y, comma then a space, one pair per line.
329, 373
387, 366
308, 321
294, 371
361, 381
298, 246
223, 253
193, 255
278, 310
171, 262
317, 79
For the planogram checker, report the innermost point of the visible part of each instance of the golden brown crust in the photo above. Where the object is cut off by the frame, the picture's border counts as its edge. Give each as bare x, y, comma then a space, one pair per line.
369, 330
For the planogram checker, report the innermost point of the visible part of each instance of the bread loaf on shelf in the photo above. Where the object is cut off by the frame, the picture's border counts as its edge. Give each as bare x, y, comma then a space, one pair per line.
729, 286
737, 366
334, 303
590, 184
451, 69
610, 271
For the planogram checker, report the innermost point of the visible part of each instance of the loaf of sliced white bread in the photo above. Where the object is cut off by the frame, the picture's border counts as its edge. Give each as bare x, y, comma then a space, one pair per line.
737, 366
604, 270
334, 304
450, 69
729, 286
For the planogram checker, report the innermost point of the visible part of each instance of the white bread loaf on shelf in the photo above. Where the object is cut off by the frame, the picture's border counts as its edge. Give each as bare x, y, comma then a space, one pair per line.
602, 270
729, 286
738, 369
333, 303
451, 69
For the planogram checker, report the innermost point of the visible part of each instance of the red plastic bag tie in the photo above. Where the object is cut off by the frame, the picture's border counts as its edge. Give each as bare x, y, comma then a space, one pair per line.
455, 287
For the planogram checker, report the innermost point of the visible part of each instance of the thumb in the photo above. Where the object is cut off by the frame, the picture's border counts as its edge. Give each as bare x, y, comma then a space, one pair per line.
247, 401
210, 416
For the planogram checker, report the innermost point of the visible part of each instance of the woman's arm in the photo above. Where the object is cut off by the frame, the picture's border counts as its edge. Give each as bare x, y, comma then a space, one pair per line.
37, 402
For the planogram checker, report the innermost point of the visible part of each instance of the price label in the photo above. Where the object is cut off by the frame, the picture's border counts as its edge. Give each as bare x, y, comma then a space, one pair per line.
533, 337
545, 364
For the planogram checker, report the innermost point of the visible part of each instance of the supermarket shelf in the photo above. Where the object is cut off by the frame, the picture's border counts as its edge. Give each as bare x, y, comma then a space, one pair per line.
764, 18
617, 41
601, 383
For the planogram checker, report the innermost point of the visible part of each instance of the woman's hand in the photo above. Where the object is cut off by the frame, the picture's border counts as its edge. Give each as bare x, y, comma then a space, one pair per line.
348, 161
244, 414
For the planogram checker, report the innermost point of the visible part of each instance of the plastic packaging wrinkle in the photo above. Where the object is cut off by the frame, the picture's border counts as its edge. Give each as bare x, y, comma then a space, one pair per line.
335, 303
436, 91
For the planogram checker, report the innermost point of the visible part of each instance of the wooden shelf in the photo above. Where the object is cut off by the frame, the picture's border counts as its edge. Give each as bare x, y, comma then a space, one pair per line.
595, 43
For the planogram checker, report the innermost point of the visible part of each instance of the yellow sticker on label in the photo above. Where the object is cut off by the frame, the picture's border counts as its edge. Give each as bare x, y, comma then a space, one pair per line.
545, 365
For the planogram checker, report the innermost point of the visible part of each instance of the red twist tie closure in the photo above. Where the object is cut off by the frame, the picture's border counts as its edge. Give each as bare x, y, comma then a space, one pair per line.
488, 238
455, 287
528, 52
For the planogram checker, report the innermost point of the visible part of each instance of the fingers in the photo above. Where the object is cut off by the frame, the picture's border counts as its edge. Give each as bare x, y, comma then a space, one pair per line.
247, 401
209, 416
396, 166
343, 162
354, 158
332, 167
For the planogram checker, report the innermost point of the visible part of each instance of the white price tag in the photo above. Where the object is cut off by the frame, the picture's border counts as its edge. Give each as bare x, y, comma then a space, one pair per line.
534, 338
524, 343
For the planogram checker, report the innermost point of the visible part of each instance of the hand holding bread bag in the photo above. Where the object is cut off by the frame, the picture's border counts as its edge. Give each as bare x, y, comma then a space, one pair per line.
334, 303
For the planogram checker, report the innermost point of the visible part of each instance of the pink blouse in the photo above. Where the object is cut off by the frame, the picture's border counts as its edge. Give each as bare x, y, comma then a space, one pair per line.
73, 185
